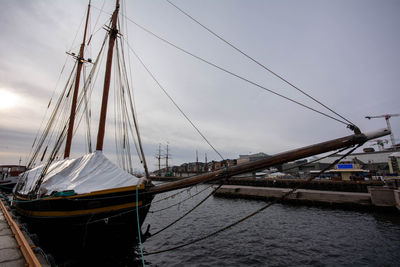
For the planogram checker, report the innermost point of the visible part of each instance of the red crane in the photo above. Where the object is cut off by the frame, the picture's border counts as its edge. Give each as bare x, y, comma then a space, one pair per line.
387, 117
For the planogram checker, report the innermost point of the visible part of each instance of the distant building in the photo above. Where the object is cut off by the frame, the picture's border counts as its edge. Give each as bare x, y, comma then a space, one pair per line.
252, 157
394, 163
379, 163
376, 163
348, 171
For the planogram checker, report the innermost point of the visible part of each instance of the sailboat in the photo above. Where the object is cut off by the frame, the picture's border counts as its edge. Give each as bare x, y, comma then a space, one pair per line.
65, 196
91, 194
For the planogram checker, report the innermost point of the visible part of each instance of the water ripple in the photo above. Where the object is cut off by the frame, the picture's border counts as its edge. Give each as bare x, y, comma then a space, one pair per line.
279, 236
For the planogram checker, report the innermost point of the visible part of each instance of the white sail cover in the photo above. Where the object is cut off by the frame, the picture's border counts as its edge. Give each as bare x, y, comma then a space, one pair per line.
89, 173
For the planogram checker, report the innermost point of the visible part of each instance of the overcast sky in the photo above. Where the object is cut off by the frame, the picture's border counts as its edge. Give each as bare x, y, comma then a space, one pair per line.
343, 53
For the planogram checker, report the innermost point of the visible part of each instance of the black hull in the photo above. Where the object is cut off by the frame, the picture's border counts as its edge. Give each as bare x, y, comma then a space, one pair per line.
99, 221
7, 187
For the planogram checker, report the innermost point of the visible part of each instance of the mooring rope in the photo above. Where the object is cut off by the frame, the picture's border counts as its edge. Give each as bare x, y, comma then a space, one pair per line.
138, 226
188, 212
180, 202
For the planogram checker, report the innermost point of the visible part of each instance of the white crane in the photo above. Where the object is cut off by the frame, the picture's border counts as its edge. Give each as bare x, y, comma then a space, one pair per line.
387, 117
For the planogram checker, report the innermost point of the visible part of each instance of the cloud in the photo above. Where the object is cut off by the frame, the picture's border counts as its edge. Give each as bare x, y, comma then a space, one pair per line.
349, 64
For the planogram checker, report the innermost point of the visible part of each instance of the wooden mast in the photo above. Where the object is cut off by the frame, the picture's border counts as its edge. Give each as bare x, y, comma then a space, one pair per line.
113, 35
288, 156
80, 60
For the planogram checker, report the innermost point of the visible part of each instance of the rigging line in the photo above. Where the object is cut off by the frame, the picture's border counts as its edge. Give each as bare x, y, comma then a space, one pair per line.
116, 128
258, 63
62, 135
96, 31
133, 112
49, 124
180, 202
77, 31
176, 105
316, 160
63, 117
129, 61
48, 163
102, 11
87, 111
41, 138
89, 85
173, 195
188, 212
138, 151
253, 213
89, 82
48, 106
124, 111
95, 24
61, 113
236, 75
120, 124
130, 91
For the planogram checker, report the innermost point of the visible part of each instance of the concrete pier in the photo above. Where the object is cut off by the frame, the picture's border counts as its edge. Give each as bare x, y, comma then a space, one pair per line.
15, 250
382, 196
333, 198
10, 254
397, 198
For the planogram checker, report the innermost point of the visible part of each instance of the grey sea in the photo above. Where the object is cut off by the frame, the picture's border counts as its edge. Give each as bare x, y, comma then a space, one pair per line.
282, 235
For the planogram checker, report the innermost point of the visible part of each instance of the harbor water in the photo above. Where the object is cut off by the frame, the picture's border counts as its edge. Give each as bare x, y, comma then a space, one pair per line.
282, 235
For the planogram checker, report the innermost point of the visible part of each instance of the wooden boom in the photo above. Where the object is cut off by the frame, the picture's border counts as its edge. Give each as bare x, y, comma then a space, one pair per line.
296, 154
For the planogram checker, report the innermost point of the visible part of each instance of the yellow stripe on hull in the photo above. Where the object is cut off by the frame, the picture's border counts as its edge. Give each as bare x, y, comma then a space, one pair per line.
77, 212
101, 192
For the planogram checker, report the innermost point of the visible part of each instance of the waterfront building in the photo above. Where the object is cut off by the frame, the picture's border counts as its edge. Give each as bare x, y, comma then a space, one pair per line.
375, 162
348, 172
251, 157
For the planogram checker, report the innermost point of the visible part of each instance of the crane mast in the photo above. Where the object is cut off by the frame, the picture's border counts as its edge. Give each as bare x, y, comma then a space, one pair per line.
389, 127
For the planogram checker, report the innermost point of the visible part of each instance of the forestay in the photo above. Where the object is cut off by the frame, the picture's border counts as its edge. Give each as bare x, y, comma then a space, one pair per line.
91, 172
